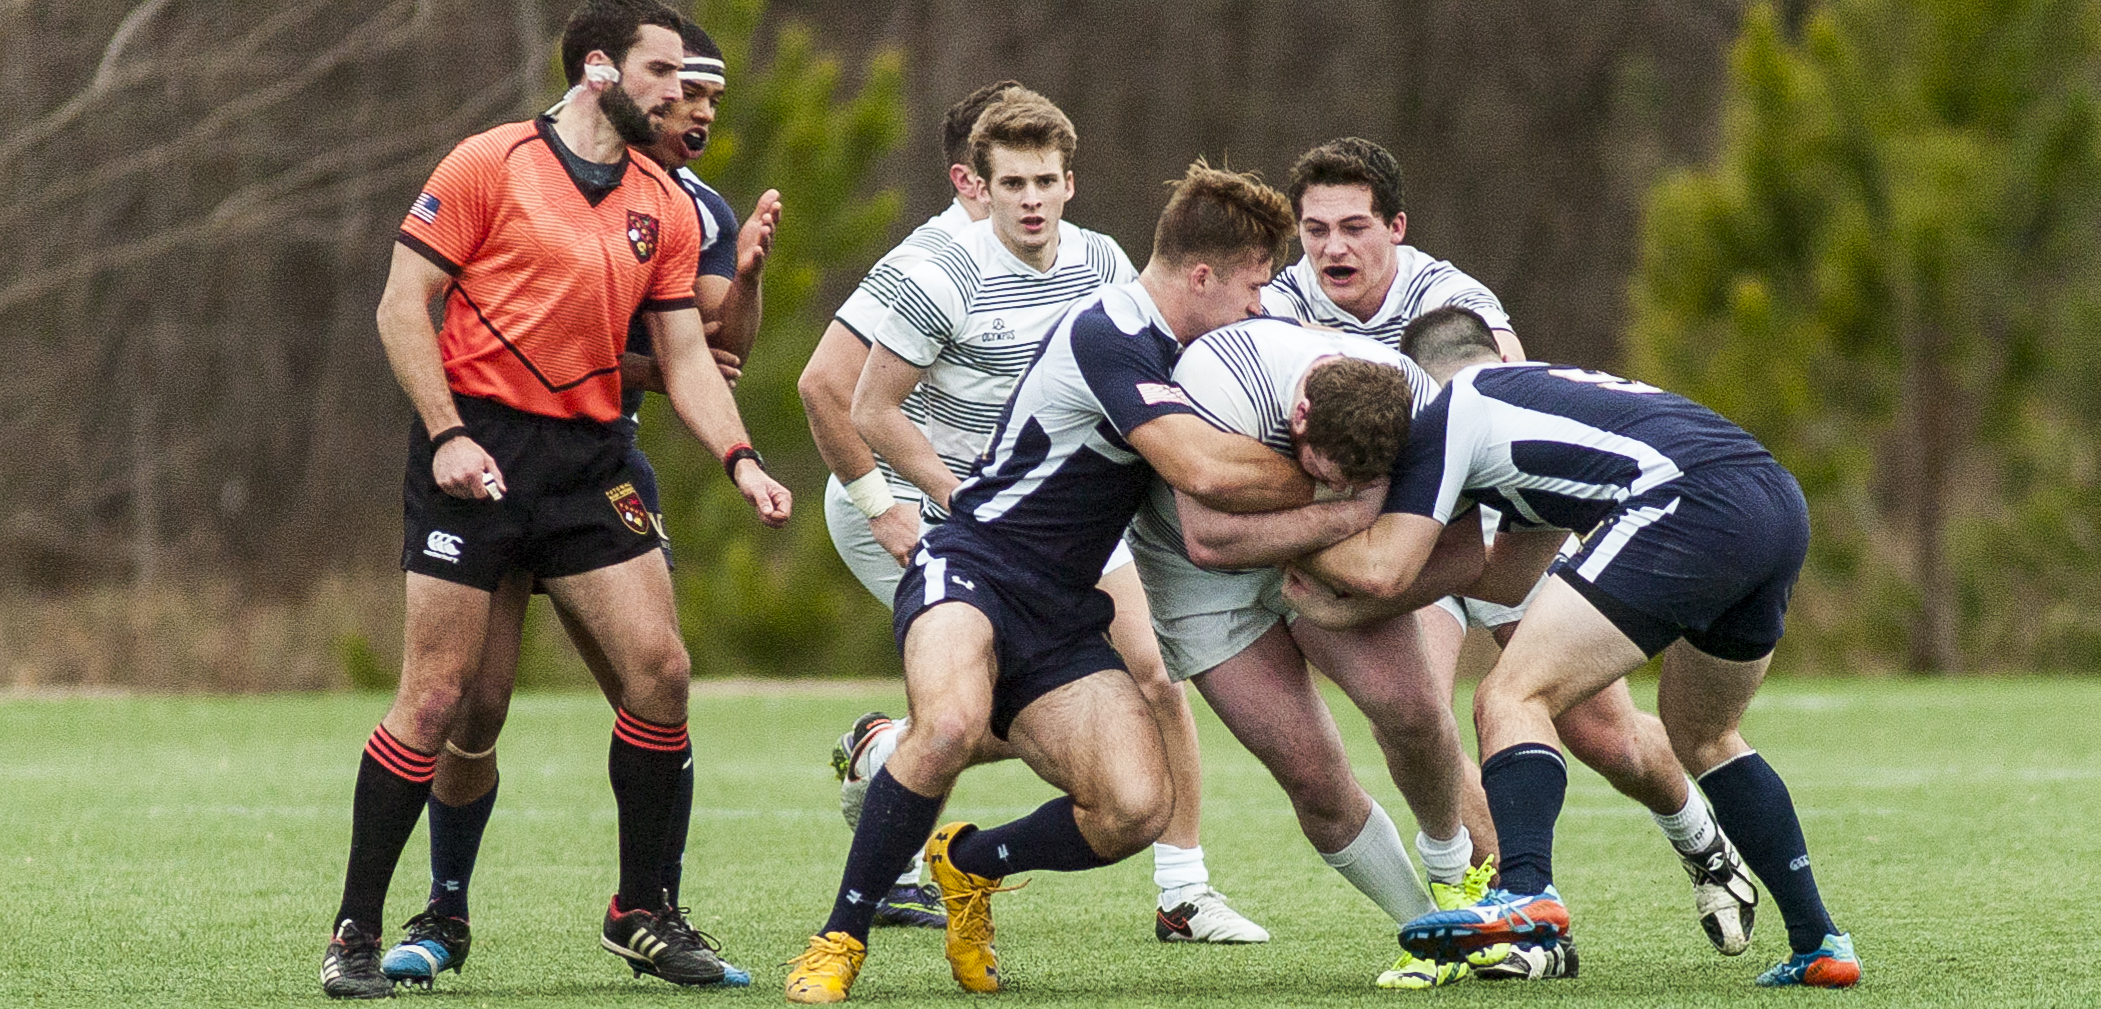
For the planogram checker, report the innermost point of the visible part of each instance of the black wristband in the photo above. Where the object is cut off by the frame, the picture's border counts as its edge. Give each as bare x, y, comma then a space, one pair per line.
739, 454
455, 431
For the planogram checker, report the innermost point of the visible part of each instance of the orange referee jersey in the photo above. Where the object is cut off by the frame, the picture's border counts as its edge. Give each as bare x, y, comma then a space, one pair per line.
544, 280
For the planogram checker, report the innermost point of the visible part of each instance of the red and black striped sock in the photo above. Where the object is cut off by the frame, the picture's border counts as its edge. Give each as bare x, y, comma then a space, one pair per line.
646, 763
392, 782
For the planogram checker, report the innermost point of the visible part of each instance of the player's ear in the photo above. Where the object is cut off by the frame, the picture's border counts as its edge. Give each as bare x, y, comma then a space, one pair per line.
599, 68
1298, 417
1070, 189
966, 182
1400, 228
1200, 277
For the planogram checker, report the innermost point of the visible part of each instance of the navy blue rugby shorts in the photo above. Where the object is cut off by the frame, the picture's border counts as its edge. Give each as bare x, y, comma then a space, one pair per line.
1711, 557
1044, 635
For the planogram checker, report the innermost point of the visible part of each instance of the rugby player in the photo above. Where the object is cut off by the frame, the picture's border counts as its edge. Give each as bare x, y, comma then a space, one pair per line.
512, 462
728, 290
870, 511
1694, 536
1001, 626
1339, 404
1359, 275
961, 328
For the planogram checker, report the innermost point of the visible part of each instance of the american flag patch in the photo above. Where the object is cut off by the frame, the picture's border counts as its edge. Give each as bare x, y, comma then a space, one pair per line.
425, 209
1156, 393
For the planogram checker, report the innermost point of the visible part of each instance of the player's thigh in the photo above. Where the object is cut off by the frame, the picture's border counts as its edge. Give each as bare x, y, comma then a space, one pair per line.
1095, 739
872, 566
628, 609
1563, 651
442, 630
950, 658
1383, 668
1443, 628
1131, 632
1267, 699
487, 699
1701, 699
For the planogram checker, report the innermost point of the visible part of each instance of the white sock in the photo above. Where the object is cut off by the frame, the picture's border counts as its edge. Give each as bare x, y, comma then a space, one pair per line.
911, 876
1377, 865
1174, 868
1691, 828
1446, 861
880, 748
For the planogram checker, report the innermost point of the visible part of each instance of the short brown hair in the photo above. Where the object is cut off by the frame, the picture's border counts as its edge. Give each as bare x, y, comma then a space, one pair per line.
1021, 120
1357, 415
611, 27
1350, 161
1220, 217
1448, 335
963, 116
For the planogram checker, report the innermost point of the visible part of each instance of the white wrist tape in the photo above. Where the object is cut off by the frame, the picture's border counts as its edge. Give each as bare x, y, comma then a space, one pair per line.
871, 493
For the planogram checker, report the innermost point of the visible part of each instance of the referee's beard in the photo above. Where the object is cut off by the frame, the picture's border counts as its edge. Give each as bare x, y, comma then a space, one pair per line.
627, 117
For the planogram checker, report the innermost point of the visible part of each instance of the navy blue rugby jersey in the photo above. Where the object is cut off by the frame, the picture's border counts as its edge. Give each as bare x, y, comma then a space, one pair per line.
1058, 483
1554, 447
718, 258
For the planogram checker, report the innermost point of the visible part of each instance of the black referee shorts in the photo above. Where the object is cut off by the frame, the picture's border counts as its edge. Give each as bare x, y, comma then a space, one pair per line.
570, 503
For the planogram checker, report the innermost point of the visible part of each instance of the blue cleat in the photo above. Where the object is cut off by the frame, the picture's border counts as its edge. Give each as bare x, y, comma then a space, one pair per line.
1500, 917
435, 944
1831, 965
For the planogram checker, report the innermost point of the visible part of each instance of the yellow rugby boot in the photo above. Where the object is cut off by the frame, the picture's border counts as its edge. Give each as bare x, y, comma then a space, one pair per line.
971, 956
825, 971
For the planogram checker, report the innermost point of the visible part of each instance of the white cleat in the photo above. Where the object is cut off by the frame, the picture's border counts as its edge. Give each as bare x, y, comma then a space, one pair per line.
860, 753
1200, 914
1722, 894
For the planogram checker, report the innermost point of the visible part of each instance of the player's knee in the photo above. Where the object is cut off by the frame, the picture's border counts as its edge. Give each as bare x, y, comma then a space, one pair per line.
944, 741
1131, 815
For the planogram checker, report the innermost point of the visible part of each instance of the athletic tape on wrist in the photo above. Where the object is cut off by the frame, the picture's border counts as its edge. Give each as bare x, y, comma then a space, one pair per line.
870, 493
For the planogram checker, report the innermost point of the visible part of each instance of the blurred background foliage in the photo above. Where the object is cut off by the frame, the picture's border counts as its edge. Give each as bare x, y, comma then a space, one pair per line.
1864, 228
1891, 273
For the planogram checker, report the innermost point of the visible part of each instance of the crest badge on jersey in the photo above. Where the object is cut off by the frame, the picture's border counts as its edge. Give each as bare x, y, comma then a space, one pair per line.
629, 506
642, 235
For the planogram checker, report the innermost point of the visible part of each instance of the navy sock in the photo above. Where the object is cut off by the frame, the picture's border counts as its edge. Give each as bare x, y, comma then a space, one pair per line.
1048, 838
455, 841
392, 781
1752, 805
1526, 784
645, 763
895, 822
681, 820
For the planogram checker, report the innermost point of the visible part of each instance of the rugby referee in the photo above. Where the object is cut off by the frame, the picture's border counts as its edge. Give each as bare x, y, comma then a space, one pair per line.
545, 237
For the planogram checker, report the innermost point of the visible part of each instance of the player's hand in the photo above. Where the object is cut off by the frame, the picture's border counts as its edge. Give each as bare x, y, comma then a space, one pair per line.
768, 498
640, 371
755, 239
897, 530
730, 365
463, 470
1314, 599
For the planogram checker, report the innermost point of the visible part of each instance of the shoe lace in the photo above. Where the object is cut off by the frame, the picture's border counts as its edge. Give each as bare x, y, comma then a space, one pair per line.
356, 951
432, 925
1475, 883
678, 933
970, 912
826, 955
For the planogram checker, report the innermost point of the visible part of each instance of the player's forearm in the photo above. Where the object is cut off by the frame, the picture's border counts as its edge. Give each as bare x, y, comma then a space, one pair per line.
887, 430
1514, 565
742, 308
1226, 472
827, 390
1218, 539
412, 352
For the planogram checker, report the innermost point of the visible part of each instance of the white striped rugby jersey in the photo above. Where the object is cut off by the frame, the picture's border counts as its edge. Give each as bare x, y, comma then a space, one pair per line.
974, 316
1244, 378
1422, 283
868, 304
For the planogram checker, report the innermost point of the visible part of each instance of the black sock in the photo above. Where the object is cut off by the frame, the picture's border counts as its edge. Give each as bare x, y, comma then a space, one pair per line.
645, 763
1048, 838
1752, 805
1526, 784
455, 840
392, 781
681, 820
895, 822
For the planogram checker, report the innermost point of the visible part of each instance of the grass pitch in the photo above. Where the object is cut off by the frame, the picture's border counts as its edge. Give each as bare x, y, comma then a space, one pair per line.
179, 851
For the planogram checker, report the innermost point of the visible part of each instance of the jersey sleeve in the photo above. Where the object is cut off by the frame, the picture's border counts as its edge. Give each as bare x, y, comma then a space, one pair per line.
927, 307
1430, 471
1219, 392
1127, 374
1457, 289
451, 216
719, 259
677, 256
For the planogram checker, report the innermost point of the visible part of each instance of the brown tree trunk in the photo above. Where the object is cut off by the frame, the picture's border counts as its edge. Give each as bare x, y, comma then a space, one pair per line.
1930, 402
